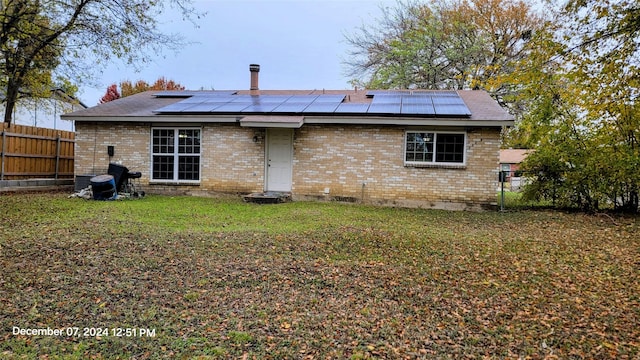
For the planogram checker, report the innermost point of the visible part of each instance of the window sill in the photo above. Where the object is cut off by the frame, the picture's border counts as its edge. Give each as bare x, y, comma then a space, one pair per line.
436, 166
174, 183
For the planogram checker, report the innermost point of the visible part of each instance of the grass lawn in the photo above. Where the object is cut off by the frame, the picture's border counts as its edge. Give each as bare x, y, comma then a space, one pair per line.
183, 277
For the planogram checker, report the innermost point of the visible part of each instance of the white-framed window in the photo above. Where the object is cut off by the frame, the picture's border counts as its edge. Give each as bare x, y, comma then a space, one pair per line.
424, 148
175, 154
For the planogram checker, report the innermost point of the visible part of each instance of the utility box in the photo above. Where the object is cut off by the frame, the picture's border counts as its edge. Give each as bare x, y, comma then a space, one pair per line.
83, 181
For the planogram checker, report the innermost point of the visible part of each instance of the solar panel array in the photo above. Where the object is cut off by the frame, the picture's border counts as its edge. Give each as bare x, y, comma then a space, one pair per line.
419, 102
383, 103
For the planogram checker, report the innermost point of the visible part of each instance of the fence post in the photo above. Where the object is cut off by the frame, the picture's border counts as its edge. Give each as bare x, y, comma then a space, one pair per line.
4, 146
502, 176
57, 156
502, 192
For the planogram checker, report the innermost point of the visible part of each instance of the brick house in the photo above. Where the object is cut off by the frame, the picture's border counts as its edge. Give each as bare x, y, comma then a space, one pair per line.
404, 148
510, 160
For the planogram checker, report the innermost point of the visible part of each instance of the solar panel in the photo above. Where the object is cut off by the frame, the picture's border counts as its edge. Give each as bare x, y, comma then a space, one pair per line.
216, 101
324, 104
174, 108
241, 98
321, 107
384, 108
220, 99
259, 107
279, 99
452, 110
291, 107
416, 99
202, 107
302, 98
232, 107
329, 98
374, 93
418, 109
417, 104
438, 92
352, 108
192, 100
386, 104
387, 99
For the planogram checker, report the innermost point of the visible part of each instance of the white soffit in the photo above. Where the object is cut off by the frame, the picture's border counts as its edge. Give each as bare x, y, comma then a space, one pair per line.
269, 121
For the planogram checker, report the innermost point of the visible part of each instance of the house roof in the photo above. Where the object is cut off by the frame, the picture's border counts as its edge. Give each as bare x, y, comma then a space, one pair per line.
61, 94
513, 156
474, 108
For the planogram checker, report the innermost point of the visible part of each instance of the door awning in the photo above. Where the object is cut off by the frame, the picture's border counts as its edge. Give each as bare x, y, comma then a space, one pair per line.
268, 121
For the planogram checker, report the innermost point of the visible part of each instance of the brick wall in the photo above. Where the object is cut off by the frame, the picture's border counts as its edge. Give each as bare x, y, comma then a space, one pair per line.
368, 163
351, 162
131, 147
231, 161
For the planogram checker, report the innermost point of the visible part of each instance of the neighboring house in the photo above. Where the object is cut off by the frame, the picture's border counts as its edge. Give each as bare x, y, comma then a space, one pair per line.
406, 148
510, 160
46, 112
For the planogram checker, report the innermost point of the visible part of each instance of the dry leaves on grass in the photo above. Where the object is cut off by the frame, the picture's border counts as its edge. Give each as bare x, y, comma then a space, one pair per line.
419, 284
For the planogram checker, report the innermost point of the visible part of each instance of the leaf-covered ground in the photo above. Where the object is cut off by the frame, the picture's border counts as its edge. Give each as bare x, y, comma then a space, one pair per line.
217, 278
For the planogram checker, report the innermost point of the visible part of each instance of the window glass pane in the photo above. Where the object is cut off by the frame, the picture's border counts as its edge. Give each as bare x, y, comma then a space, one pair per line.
163, 141
419, 147
163, 167
450, 148
189, 141
189, 168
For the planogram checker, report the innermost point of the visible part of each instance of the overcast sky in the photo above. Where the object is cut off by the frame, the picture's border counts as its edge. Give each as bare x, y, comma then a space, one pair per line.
299, 44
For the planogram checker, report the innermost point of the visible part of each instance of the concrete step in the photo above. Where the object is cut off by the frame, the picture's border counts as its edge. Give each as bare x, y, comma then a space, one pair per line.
269, 197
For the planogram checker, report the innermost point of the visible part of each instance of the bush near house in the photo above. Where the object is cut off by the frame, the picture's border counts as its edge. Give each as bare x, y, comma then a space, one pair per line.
218, 278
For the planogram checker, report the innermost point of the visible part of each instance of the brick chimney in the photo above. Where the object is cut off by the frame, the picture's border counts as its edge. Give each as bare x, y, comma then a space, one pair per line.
254, 69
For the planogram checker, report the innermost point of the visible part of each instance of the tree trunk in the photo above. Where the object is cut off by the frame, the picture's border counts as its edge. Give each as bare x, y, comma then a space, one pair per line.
10, 102
8, 110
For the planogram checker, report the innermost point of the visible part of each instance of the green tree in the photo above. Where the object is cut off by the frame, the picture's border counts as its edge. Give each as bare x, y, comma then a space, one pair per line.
45, 40
539, 90
589, 151
26, 65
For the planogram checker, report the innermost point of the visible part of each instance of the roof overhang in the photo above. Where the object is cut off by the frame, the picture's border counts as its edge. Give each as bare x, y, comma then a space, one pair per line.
153, 119
296, 121
272, 121
408, 121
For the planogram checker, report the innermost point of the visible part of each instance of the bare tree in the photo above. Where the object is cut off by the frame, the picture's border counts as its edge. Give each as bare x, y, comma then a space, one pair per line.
451, 44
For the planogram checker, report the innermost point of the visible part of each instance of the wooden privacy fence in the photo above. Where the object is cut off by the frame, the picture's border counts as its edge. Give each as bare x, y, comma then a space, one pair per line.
29, 152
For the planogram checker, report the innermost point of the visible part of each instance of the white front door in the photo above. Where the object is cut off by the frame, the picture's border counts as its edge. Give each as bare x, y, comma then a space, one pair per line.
279, 155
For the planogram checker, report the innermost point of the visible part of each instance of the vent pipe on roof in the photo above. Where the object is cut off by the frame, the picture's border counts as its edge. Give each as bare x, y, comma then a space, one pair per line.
254, 69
